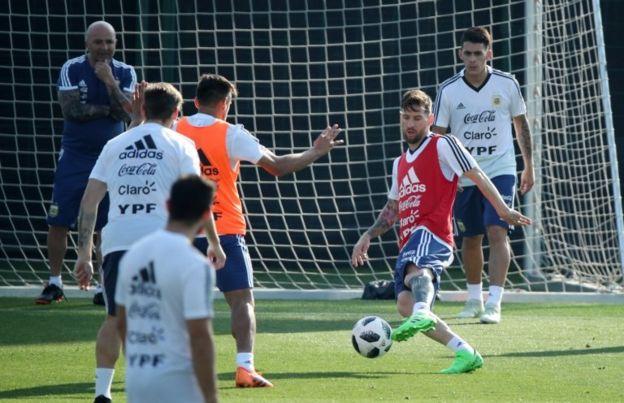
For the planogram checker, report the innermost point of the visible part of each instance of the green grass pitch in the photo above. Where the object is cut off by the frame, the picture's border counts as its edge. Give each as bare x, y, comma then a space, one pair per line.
539, 352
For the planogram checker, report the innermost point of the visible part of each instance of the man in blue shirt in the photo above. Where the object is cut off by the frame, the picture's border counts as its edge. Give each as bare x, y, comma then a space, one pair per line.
95, 93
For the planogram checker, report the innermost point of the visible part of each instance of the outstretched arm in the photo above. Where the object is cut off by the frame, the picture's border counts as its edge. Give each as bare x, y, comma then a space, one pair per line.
94, 193
138, 100
386, 219
280, 165
523, 136
487, 188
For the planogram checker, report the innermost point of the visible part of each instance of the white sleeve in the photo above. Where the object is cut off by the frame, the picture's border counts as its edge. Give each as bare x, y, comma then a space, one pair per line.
393, 193
101, 166
189, 160
197, 285
441, 113
453, 156
517, 106
242, 145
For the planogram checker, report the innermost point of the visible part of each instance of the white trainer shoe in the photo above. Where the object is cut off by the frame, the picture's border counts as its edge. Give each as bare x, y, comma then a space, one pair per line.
491, 314
472, 309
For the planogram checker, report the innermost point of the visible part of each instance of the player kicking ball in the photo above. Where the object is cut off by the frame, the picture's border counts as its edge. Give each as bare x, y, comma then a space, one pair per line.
424, 184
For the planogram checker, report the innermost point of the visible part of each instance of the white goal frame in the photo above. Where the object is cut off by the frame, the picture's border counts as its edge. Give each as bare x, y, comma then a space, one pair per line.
298, 65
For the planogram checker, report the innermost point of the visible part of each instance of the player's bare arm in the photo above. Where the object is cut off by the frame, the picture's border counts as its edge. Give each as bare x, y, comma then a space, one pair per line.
138, 99
439, 129
73, 109
523, 135
385, 221
215, 253
487, 188
83, 269
201, 339
279, 165
121, 102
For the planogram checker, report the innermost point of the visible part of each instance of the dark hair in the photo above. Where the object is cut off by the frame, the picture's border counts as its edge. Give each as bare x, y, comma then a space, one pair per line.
161, 100
413, 99
213, 88
477, 35
191, 196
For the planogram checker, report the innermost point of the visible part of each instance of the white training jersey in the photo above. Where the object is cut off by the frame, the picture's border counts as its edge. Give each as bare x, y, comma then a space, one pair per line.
454, 161
138, 167
240, 144
481, 118
163, 282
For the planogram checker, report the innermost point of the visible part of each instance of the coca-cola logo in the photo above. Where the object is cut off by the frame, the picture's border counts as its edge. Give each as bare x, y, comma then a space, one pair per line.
410, 203
145, 169
485, 116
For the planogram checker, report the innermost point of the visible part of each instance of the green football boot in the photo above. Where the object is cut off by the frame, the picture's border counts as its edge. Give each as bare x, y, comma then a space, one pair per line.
464, 361
418, 322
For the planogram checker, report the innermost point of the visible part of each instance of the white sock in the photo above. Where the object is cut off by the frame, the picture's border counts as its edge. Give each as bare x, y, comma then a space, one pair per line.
475, 291
420, 306
56, 280
104, 381
495, 295
457, 343
245, 360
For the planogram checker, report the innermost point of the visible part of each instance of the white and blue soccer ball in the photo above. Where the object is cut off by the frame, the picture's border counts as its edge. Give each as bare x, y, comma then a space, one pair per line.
371, 337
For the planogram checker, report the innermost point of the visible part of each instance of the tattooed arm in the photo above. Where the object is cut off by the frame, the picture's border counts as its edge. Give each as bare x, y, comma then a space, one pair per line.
386, 219
523, 136
73, 109
94, 193
120, 102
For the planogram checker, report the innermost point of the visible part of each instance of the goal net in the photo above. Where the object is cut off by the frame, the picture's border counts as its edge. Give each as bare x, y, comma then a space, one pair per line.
301, 65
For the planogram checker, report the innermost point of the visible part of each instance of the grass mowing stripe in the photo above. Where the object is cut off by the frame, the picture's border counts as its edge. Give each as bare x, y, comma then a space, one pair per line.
539, 352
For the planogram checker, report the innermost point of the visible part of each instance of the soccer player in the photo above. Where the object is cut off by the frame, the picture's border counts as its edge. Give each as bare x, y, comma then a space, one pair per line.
478, 105
221, 147
164, 302
95, 93
424, 182
137, 168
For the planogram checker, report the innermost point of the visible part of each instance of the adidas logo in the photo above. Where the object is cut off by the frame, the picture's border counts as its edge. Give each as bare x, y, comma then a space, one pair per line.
146, 274
141, 149
411, 184
144, 283
460, 106
206, 167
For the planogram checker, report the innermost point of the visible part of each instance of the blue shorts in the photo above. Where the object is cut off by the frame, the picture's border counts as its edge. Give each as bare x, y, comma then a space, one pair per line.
70, 181
473, 212
425, 250
237, 274
110, 268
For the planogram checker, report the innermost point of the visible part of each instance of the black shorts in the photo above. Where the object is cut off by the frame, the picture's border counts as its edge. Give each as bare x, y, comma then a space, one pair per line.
110, 268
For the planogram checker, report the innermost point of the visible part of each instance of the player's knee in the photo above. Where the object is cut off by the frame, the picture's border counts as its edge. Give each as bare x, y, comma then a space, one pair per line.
404, 303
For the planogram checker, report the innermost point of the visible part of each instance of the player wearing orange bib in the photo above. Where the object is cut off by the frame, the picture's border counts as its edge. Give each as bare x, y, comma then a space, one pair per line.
221, 147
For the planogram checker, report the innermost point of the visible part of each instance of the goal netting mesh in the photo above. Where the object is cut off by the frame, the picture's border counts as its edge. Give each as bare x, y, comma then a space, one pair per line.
300, 65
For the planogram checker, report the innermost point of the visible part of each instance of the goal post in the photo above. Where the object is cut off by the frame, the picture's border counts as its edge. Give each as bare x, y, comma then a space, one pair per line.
300, 66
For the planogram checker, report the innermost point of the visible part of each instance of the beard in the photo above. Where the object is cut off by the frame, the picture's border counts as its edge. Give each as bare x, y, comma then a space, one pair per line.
414, 138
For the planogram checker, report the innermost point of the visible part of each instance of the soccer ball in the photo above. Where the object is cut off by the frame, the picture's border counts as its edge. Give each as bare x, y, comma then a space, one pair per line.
371, 337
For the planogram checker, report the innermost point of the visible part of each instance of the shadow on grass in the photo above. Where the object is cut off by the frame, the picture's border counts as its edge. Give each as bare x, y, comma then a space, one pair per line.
559, 353
224, 376
64, 389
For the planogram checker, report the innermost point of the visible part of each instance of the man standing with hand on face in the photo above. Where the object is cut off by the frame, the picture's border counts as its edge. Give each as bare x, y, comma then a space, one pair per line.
95, 93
